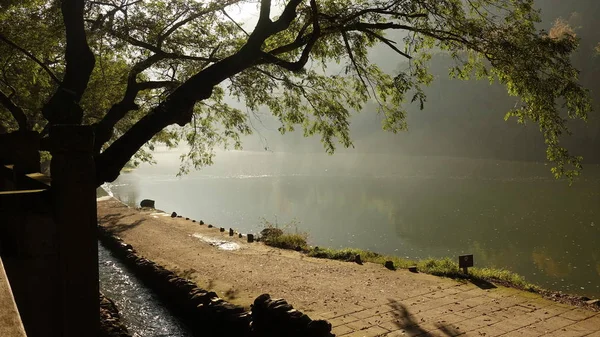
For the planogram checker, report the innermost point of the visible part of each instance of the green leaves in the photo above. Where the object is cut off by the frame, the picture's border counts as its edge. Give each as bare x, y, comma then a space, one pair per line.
171, 42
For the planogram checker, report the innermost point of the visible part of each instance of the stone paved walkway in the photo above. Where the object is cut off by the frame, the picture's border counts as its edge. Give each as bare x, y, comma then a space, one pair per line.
359, 300
465, 310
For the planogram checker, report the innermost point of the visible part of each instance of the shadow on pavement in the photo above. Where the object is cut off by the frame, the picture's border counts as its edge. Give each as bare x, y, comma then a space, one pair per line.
405, 321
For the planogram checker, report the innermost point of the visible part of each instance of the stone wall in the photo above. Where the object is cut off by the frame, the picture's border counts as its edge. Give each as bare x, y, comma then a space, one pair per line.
110, 320
207, 314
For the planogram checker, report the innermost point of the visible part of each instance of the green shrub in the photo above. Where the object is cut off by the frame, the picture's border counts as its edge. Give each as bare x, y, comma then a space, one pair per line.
274, 236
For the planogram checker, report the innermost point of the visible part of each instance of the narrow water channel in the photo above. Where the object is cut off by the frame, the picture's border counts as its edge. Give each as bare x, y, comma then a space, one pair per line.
140, 309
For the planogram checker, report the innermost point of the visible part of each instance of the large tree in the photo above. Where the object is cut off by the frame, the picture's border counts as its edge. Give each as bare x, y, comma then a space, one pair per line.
136, 69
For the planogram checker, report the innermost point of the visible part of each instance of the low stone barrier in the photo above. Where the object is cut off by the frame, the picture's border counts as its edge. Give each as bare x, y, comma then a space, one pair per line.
110, 320
207, 314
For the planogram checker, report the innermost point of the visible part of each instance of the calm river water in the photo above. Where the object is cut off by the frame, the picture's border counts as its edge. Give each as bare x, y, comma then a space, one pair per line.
511, 215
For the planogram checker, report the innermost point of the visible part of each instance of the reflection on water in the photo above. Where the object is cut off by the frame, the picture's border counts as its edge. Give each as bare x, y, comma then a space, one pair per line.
508, 214
140, 310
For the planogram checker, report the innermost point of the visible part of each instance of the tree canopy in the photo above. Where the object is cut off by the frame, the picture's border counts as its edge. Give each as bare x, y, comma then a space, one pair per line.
158, 71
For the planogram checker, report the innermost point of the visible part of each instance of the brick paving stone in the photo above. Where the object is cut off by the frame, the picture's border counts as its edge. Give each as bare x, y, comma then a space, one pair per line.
327, 315
488, 331
523, 332
454, 307
578, 314
500, 293
391, 325
551, 324
509, 301
548, 312
396, 333
370, 332
341, 320
431, 304
388, 316
341, 330
590, 324
520, 321
469, 293
508, 313
443, 293
476, 301
359, 325
567, 333
477, 322
450, 319
504, 327
536, 304
371, 312
347, 310
442, 333
478, 311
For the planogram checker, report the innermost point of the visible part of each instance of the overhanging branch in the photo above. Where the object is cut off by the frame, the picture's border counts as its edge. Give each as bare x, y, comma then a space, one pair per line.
30, 56
298, 65
15, 111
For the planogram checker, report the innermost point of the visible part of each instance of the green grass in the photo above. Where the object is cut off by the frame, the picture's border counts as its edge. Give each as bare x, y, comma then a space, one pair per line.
288, 241
274, 236
444, 267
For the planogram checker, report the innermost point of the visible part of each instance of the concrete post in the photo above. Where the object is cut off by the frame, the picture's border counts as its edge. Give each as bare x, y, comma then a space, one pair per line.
74, 201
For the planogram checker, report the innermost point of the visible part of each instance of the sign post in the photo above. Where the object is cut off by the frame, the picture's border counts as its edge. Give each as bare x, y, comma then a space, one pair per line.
464, 262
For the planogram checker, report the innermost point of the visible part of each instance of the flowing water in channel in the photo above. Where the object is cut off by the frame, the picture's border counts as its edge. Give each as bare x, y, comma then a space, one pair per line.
140, 310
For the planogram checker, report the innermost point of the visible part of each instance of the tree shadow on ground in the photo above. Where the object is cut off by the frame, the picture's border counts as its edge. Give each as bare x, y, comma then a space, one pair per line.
125, 227
114, 223
111, 219
407, 322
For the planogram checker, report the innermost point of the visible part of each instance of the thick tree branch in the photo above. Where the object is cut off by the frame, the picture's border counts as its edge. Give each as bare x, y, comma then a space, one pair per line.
31, 56
299, 65
79, 58
178, 107
104, 128
265, 12
266, 28
148, 85
15, 111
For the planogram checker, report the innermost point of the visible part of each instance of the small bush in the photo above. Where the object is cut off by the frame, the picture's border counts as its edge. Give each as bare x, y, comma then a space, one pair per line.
274, 236
288, 241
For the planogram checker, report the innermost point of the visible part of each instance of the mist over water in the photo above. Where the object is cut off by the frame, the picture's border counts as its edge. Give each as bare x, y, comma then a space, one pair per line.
509, 214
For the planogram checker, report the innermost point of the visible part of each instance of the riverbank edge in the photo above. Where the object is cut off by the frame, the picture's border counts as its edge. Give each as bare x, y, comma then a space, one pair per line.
204, 312
442, 267
111, 324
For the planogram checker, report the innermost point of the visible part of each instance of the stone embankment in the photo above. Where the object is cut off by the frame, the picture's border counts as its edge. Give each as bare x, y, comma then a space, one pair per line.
110, 320
207, 314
